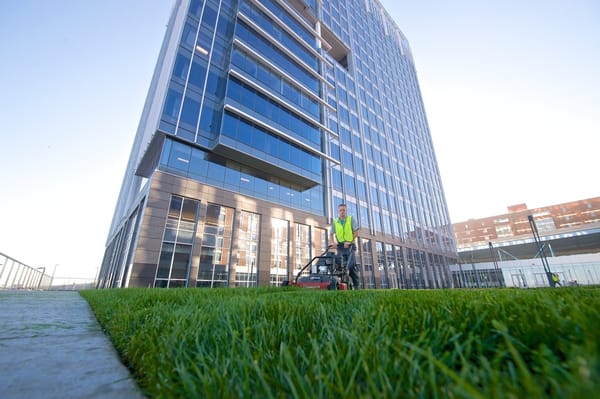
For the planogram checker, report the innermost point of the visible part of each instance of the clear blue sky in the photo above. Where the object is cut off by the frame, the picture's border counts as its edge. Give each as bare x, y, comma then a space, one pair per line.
511, 90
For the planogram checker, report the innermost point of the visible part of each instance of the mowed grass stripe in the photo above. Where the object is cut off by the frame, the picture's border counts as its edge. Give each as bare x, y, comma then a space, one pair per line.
295, 343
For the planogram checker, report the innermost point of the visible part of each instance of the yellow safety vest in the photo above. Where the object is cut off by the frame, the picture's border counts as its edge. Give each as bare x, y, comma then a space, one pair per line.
344, 232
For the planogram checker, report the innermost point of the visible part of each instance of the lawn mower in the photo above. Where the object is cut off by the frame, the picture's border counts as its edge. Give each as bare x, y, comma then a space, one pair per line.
327, 271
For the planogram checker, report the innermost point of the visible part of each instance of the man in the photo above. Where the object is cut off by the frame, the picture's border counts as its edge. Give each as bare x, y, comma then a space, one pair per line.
556, 279
344, 232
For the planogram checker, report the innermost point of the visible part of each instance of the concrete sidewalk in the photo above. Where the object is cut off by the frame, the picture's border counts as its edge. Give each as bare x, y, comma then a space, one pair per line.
51, 346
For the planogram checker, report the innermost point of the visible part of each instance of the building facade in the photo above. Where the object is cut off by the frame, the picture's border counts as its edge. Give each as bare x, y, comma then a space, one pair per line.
262, 116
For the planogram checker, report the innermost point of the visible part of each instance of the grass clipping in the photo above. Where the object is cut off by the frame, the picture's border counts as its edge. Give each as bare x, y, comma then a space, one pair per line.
295, 343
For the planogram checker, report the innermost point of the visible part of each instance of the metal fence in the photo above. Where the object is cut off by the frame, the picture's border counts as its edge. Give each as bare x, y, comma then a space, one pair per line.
17, 275
571, 270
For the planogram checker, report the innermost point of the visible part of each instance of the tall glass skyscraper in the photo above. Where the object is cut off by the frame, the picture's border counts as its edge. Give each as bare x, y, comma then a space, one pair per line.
262, 116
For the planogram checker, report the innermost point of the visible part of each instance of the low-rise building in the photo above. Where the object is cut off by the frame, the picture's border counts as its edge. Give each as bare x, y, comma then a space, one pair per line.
502, 250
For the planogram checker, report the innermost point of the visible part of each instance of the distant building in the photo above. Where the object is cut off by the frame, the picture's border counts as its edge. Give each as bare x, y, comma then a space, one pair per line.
262, 116
504, 246
576, 215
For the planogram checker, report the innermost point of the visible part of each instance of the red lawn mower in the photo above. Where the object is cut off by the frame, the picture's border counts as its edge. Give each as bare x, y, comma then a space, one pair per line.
327, 271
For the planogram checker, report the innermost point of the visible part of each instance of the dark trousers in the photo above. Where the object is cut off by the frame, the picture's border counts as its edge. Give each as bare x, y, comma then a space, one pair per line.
349, 258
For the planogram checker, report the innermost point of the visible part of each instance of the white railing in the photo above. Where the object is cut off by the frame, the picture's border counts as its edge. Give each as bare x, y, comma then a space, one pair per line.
17, 275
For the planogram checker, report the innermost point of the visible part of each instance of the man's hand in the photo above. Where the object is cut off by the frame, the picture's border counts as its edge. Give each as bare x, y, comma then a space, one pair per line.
347, 244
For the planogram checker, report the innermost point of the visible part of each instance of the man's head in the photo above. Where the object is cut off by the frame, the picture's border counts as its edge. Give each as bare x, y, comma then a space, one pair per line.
342, 211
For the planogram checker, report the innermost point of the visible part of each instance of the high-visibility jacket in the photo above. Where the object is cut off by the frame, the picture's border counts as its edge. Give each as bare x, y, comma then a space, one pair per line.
343, 233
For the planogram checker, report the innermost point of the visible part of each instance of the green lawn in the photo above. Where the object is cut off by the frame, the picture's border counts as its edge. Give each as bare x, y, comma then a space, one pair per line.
299, 343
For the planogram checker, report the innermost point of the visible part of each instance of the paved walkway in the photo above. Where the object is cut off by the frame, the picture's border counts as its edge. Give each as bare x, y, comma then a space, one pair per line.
51, 346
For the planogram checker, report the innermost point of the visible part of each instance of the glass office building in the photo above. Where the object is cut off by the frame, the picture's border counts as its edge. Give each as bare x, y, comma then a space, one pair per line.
262, 116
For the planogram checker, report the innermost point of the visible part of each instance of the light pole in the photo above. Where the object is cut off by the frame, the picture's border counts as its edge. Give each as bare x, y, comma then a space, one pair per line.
43, 268
97, 276
536, 237
53, 272
499, 274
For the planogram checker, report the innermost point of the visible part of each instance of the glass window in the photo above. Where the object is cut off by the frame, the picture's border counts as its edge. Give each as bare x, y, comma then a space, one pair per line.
277, 57
302, 253
204, 42
347, 160
208, 118
251, 66
238, 58
260, 105
381, 265
189, 35
336, 177
172, 104
291, 92
271, 110
350, 186
176, 250
216, 172
290, 21
246, 270
190, 112
263, 74
232, 178
198, 73
234, 90
182, 63
225, 26
366, 253
213, 172
196, 8
181, 260
180, 156
215, 253
335, 151
279, 250
175, 207
391, 267
209, 16
245, 135
215, 84
230, 124
364, 217
259, 140
189, 209
164, 263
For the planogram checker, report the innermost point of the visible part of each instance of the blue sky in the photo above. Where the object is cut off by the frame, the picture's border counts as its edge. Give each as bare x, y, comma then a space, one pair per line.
511, 91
